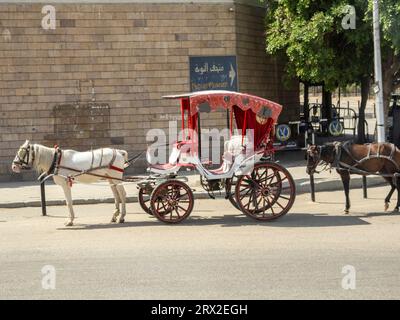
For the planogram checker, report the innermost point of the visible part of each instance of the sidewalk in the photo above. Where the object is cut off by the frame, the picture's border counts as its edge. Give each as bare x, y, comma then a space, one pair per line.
27, 194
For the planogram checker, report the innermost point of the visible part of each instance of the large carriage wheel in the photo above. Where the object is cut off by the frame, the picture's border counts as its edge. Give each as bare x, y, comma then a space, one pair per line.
172, 201
267, 193
144, 200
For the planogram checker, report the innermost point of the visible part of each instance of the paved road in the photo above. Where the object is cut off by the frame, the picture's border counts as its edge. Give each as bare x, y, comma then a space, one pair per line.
216, 254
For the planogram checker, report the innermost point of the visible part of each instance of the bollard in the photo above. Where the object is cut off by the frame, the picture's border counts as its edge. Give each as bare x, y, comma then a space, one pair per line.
365, 187
312, 185
43, 197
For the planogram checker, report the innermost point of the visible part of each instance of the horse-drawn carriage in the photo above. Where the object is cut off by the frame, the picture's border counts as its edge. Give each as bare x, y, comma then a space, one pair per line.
253, 182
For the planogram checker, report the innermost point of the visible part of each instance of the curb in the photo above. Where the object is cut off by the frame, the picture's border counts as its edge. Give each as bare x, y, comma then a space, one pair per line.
301, 188
49, 203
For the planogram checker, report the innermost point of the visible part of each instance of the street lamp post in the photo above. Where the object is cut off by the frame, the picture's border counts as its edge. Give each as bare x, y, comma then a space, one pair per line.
380, 117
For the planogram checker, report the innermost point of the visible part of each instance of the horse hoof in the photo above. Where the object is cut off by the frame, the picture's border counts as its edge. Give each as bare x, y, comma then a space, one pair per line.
346, 211
113, 220
121, 220
69, 224
395, 210
386, 207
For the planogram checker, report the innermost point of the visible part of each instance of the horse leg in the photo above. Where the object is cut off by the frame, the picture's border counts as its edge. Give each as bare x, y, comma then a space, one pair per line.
398, 194
346, 185
389, 196
68, 198
122, 196
117, 202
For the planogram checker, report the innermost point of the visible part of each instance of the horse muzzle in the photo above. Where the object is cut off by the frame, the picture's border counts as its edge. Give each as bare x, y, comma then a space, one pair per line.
16, 168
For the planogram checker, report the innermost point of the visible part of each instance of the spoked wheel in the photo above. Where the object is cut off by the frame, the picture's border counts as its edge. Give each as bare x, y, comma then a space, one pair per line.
230, 190
267, 193
144, 201
172, 201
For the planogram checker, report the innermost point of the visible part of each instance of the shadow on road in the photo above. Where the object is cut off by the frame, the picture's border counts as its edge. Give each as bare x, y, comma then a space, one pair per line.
330, 202
298, 220
378, 214
305, 220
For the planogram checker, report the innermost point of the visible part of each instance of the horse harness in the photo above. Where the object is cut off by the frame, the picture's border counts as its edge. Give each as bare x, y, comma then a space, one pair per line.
56, 166
342, 166
24, 161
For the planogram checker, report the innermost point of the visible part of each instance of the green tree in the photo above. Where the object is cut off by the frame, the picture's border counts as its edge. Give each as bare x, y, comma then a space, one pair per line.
390, 25
321, 50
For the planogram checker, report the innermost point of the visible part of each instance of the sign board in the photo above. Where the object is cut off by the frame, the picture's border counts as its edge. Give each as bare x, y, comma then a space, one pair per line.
336, 128
213, 73
283, 132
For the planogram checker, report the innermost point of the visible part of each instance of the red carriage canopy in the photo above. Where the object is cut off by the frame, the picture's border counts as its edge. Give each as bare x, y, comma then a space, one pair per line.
251, 112
227, 99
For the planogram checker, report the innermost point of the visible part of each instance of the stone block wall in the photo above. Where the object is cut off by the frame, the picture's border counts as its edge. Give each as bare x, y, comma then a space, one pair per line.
98, 78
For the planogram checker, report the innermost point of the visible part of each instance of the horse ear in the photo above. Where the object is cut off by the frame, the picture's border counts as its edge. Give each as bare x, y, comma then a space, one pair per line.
26, 143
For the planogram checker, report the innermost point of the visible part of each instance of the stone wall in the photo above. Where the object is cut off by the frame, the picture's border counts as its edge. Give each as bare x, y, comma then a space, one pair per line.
98, 78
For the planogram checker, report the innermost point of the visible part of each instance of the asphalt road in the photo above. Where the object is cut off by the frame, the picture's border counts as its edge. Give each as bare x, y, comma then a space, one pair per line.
217, 253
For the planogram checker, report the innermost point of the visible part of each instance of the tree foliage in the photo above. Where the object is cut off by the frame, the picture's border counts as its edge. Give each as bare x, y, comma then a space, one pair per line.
390, 21
319, 49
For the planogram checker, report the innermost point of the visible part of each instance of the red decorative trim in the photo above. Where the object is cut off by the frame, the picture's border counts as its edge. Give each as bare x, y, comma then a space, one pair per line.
116, 169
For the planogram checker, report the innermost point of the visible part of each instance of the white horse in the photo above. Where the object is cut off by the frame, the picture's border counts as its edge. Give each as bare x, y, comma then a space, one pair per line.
68, 166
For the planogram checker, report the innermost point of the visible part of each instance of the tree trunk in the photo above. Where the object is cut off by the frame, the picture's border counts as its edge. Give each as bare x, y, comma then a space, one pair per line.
306, 101
365, 85
326, 107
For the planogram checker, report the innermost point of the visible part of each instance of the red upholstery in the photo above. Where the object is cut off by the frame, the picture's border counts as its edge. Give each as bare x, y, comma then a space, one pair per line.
165, 166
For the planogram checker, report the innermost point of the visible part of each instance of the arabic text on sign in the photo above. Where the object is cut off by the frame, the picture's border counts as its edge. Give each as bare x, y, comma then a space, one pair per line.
206, 69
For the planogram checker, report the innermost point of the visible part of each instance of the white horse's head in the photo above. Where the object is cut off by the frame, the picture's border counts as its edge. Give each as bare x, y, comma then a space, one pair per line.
24, 158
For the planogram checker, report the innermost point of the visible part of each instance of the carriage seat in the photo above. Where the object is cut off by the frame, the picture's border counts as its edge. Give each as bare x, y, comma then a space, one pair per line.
178, 148
232, 148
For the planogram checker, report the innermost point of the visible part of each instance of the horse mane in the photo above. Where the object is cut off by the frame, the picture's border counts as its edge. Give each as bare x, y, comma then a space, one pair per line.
43, 158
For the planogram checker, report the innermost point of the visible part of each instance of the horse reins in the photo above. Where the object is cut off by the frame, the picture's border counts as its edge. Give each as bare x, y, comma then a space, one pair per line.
326, 165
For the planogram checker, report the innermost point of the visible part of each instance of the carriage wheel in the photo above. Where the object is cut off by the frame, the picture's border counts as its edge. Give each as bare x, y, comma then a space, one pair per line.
230, 184
144, 201
172, 201
267, 193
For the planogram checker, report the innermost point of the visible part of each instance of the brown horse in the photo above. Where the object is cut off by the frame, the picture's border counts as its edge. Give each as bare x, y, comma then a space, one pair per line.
349, 158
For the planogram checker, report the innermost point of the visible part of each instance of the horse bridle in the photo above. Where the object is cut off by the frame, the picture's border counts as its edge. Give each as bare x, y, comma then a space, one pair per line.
317, 160
24, 162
